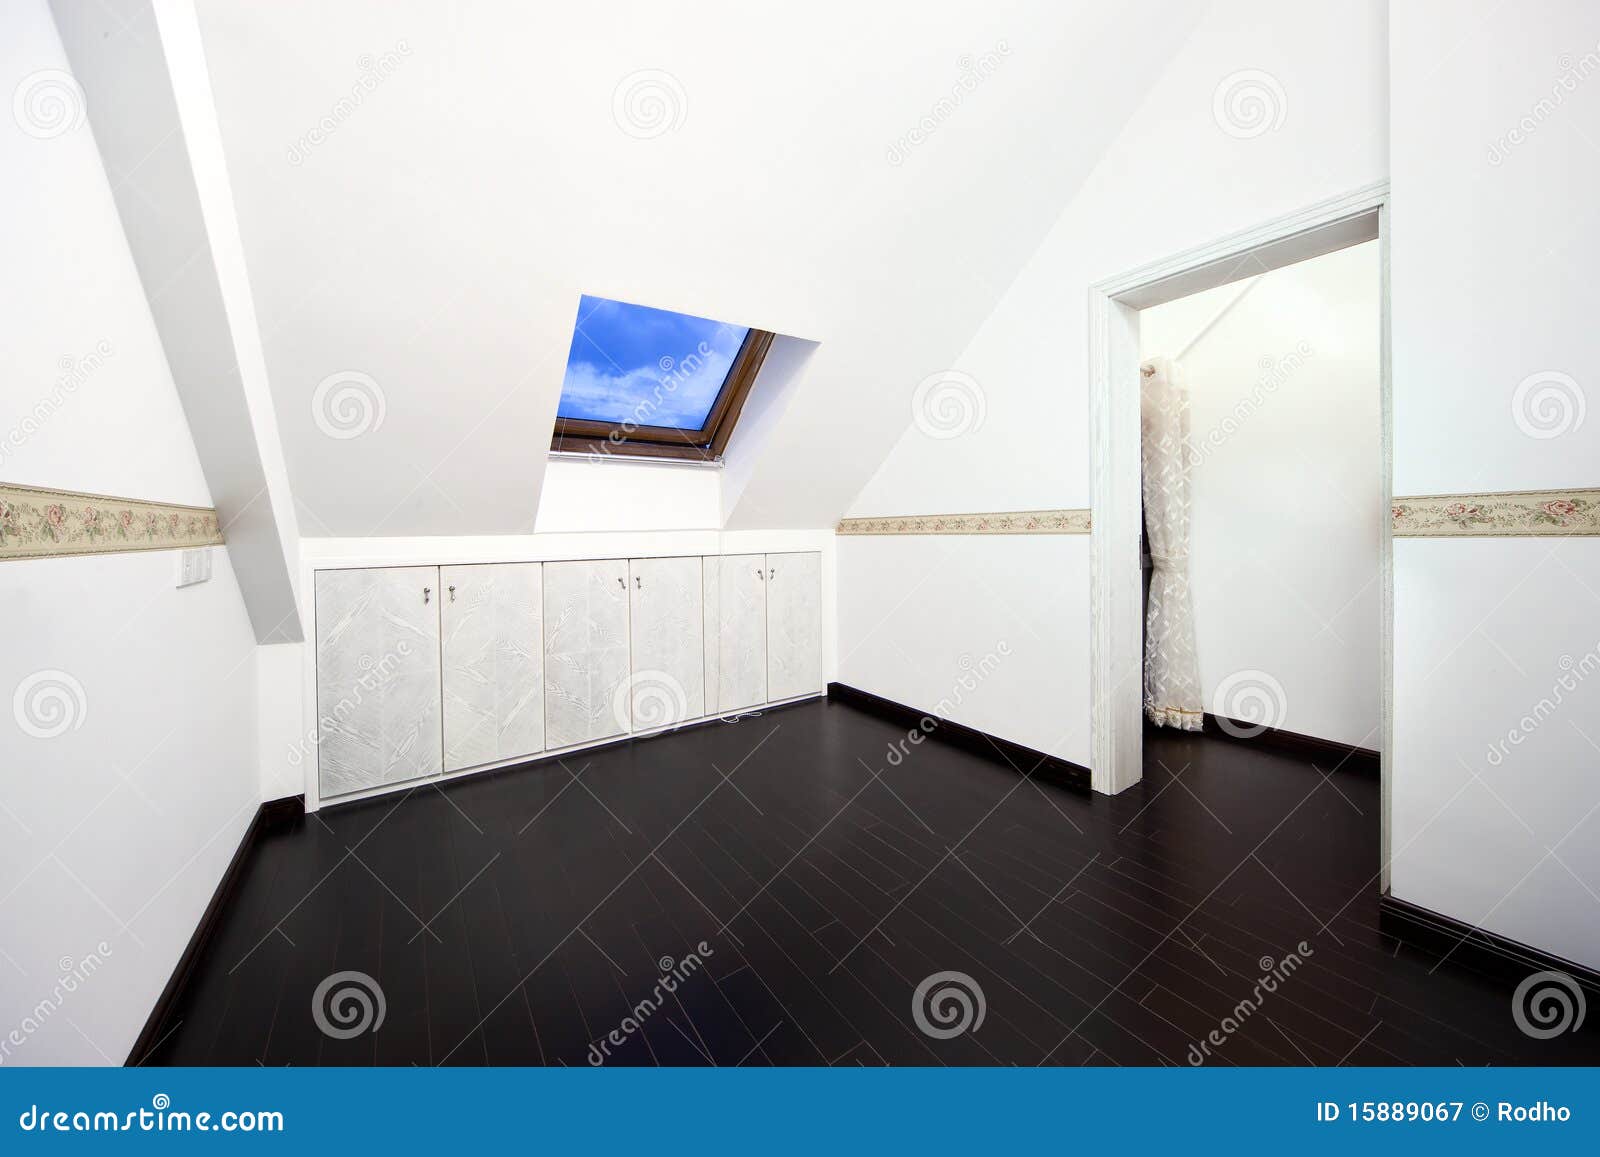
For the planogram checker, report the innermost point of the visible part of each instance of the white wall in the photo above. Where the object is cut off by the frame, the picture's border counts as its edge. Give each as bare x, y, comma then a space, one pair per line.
1287, 491
1174, 178
1495, 234
117, 830
583, 494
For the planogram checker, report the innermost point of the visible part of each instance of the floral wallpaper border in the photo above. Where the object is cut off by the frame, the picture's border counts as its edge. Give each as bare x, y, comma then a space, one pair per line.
37, 523
1003, 522
1518, 513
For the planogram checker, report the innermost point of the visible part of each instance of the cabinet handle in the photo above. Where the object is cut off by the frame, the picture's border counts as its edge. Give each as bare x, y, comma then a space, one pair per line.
623, 583
426, 591
772, 571
452, 594
759, 575
637, 584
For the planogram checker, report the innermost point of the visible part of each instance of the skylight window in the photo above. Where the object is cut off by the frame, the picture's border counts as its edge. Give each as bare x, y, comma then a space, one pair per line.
653, 382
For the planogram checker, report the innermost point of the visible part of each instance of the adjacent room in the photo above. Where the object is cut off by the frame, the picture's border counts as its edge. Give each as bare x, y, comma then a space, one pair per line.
955, 534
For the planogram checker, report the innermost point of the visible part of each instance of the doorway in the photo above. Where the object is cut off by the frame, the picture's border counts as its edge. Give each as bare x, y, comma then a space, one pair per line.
1117, 585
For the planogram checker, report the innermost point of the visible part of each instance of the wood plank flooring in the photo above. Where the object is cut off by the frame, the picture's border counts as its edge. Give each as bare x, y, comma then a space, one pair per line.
530, 917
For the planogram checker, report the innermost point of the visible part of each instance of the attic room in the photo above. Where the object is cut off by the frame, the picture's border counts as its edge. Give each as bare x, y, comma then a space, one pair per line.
671, 534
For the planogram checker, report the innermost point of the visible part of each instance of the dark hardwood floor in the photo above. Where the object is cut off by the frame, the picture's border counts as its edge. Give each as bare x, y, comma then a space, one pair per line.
521, 917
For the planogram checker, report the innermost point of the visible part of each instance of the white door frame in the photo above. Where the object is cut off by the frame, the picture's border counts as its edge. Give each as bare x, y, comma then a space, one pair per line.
1116, 599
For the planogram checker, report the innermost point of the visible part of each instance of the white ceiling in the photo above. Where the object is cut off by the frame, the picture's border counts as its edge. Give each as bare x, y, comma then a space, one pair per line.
437, 237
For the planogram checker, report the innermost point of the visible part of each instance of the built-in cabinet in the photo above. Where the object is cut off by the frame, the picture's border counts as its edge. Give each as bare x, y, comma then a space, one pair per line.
736, 626
493, 662
667, 637
585, 651
794, 624
425, 670
378, 701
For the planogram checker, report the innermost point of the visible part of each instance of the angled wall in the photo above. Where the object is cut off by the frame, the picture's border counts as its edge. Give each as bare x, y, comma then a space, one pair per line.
148, 101
128, 745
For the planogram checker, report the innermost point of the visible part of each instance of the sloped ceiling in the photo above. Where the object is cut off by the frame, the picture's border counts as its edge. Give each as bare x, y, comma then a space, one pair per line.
425, 189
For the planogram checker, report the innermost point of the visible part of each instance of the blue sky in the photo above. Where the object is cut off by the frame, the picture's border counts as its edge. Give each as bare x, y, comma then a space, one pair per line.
616, 370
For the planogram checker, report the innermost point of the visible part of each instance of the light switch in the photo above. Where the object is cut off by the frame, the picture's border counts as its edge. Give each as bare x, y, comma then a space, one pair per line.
194, 566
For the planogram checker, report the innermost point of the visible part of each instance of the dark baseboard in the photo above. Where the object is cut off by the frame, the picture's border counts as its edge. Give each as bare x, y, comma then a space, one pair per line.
277, 813
1481, 951
272, 814
1342, 756
1019, 758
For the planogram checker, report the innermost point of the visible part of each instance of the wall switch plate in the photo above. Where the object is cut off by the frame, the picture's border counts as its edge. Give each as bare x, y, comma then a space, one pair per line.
194, 566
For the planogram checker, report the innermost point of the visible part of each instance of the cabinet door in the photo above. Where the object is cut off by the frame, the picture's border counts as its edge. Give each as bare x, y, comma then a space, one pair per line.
794, 625
667, 629
736, 630
493, 663
585, 651
377, 636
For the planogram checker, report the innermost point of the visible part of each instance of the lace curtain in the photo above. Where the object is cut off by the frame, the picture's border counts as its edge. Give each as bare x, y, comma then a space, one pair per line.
1171, 669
